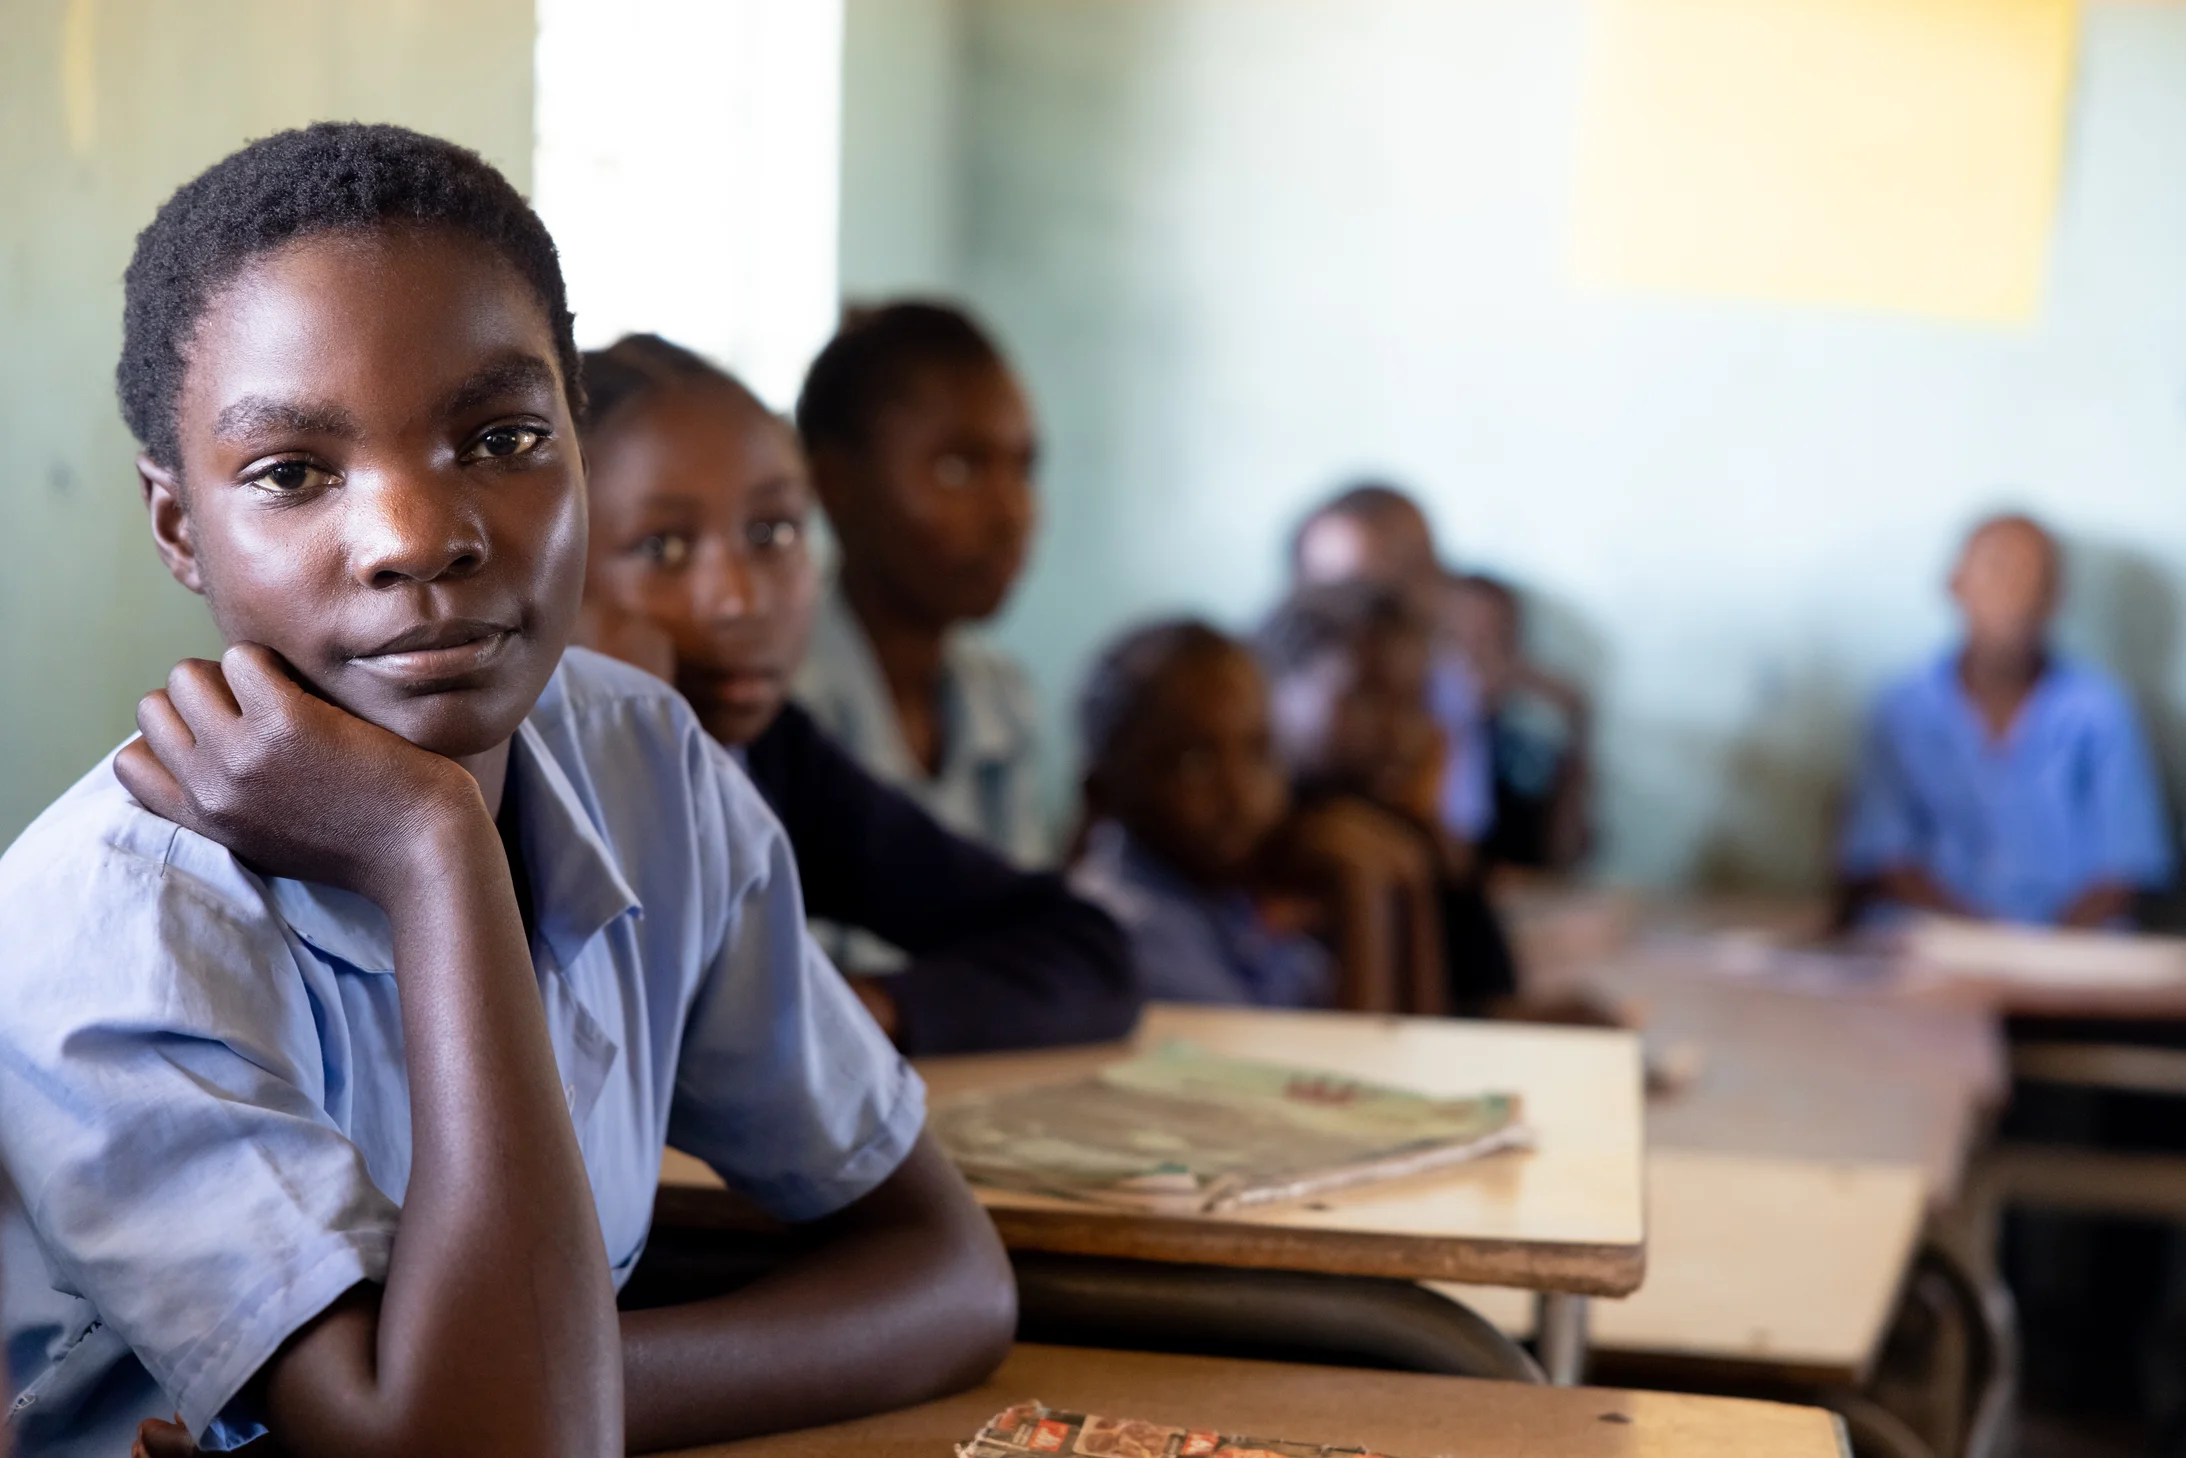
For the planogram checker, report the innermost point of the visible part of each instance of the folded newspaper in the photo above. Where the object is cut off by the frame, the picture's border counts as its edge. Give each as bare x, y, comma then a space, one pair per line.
1032, 1428
1182, 1131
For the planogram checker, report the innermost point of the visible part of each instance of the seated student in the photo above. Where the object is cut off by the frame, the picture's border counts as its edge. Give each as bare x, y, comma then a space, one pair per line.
1536, 730
1375, 533
2003, 781
338, 1050
699, 508
1348, 669
1193, 844
922, 450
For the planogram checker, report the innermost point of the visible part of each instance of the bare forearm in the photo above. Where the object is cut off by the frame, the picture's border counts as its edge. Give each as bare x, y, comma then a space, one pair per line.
2099, 905
911, 1301
1426, 958
1366, 943
496, 1330
1914, 887
1569, 829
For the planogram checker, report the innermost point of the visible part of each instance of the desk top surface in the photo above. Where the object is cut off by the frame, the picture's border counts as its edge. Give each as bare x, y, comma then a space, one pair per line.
1567, 1215
1402, 1415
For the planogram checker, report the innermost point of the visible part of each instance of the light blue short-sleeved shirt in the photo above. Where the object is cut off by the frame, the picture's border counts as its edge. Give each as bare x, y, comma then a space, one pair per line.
203, 1104
2018, 827
988, 787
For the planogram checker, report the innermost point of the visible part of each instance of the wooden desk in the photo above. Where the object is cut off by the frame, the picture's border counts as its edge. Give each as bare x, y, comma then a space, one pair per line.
1566, 1217
1846, 1077
1785, 1266
1402, 1415
1803, 1054
1788, 1181
2047, 972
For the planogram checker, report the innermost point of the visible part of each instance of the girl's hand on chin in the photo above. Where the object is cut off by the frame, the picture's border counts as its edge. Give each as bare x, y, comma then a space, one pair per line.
296, 786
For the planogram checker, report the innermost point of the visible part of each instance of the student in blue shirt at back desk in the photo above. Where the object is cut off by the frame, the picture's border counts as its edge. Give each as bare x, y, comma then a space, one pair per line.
2003, 781
338, 1050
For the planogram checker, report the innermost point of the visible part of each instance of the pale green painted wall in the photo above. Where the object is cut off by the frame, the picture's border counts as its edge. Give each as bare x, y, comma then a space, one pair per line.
1244, 248
902, 206
104, 109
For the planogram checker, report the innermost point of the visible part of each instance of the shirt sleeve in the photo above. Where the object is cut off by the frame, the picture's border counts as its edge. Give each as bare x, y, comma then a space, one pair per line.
2133, 843
166, 1123
1881, 826
785, 1085
1000, 958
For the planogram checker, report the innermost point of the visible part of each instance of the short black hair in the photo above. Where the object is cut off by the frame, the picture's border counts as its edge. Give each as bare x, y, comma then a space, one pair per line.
1369, 501
872, 359
1121, 686
1336, 617
324, 178
638, 366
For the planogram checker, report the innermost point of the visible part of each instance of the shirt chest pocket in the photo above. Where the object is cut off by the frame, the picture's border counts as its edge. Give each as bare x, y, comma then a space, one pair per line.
622, 1164
584, 1051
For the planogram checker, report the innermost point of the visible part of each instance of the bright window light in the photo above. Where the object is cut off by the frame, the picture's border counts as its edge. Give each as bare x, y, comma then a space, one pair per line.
687, 160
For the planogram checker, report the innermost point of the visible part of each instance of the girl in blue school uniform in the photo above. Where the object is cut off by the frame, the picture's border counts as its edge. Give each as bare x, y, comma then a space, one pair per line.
346, 1012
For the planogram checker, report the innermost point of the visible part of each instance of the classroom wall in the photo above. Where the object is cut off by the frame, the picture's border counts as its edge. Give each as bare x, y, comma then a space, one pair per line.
104, 109
1248, 248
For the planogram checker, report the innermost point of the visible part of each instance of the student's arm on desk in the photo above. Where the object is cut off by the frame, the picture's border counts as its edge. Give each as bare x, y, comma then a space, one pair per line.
910, 1297
495, 1331
1570, 830
1912, 886
1000, 957
1373, 877
2100, 905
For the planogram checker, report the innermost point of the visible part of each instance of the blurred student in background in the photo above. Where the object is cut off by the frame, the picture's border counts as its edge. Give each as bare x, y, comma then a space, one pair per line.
1229, 893
699, 569
1348, 667
2003, 781
922, 449
1537, 730
1372, 532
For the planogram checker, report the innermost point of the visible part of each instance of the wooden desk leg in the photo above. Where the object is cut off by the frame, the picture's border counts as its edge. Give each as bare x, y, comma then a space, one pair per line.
1559, 1325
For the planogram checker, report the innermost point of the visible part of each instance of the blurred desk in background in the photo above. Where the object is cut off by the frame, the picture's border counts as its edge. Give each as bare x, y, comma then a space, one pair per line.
1821, 1114
1784, 1268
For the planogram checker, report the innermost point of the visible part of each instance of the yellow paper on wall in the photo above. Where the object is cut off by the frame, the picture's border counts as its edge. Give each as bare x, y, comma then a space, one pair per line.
1884, 154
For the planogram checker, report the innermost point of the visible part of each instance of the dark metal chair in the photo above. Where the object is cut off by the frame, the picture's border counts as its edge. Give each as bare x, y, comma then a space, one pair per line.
1346, 1321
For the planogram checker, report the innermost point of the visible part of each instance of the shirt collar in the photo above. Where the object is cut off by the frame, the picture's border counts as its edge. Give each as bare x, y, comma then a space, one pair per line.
985, 729
1953, 690
576, 887
1128, 861
981, 726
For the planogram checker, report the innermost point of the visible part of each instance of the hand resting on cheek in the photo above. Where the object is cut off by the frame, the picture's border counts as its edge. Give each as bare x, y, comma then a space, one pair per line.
240, 753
